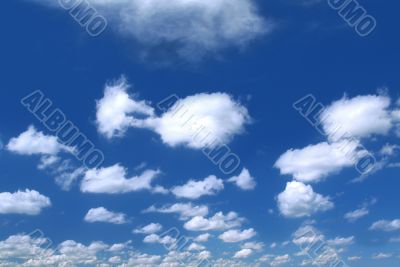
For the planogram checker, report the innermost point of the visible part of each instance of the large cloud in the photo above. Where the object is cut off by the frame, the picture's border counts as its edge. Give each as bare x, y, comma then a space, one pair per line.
33, 142
115, 110
195, 121
300, 200
315, 162
387, 226
358, 117
188, 28
114, 180
28, 202
196, 189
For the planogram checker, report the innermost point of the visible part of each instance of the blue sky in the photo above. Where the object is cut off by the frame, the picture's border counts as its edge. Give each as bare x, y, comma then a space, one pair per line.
233, 70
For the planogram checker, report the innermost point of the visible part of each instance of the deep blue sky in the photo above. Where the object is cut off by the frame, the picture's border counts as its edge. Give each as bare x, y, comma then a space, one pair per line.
310, 51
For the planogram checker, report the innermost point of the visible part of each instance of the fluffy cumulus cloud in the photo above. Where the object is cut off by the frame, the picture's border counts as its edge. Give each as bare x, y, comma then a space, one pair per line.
253, 245
314, 162
300, 200
116, 110
357, 117
203, 237
219, 221
154, 238
388, 226
33, 142
194, 121
114, 180
196, 189
201, 120
151, 228
103, 215
188, 29
243, 253
185, 210
233, 236
28, 202
244, 180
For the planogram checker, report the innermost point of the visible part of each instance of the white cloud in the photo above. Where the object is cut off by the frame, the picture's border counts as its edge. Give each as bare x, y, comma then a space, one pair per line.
116, 110
244, 180
387, 226
195, 246
195, 121
315, 162
381, 256
253, 245
185, 210
189, 29
33, 142
154, 238
280, 260
353, 216
103, 215
200, 120
28, 202
358, 117
203, 237
276, 260
243, 253
218, 222
80, 254
113, 180
354, 258
233, 236
307, 234
389, 150
341, 241
151, 228
300, 200
211, 185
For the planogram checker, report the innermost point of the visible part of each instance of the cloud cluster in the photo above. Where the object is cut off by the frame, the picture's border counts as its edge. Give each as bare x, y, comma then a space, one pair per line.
188, 122
345, 123
217, 222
